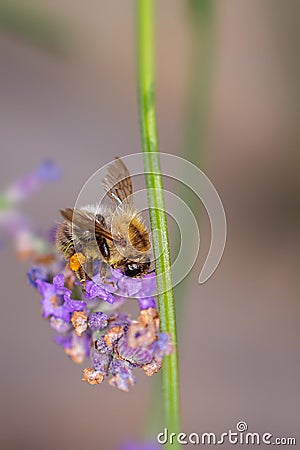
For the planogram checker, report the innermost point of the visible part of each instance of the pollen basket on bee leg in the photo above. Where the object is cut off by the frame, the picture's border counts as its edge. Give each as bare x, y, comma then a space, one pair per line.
76, 261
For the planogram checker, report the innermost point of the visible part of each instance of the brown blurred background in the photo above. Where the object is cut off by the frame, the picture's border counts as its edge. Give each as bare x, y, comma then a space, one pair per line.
227, 99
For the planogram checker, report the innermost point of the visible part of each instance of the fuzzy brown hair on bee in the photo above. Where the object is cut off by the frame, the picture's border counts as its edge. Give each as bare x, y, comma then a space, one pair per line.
115, 235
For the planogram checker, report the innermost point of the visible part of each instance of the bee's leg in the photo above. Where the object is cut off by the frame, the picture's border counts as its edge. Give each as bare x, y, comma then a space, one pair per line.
103, 275
76, 261
81, 277
89, 265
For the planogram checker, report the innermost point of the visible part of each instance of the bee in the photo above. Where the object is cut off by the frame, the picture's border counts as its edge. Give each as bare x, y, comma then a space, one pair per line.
114, 235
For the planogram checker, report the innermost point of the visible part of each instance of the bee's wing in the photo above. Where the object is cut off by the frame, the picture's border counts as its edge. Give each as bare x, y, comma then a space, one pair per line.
118, 183
86, 221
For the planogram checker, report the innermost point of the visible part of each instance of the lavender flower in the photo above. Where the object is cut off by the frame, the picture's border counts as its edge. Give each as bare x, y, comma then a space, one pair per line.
28, 242
98, 321
34, 274
127, 344
122, 376
147, 302
56, 299
59, 325
90, 327
94, 290
86, 321
27, 185
76, 347
100, 361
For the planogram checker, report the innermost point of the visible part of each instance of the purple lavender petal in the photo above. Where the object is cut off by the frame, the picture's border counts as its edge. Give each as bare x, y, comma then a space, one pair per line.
164, 345
116, 274
118, 366
22, 188
102, 347
64, 341
71, 340
28, 184
87, 339
95, 290
128, 286
56, 299
136, 356
143, 355
59, 325
59, 311
97, 321
109, 286
73, 305
35, 274
148, 285
147, 302
124, 350
48, 171
122, 375
45, 289
59, 281
100, 361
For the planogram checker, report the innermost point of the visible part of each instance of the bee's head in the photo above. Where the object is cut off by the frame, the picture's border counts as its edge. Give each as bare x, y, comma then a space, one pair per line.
136, 269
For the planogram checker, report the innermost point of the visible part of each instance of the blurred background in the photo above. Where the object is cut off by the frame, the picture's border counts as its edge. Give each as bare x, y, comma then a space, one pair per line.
228, 100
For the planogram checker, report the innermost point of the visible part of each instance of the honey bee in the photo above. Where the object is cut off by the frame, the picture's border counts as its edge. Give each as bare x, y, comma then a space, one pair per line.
114, 235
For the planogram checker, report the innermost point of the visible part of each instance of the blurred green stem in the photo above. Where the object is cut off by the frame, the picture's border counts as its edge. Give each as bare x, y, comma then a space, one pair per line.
30, 22
147, 114
201, 19
199, 92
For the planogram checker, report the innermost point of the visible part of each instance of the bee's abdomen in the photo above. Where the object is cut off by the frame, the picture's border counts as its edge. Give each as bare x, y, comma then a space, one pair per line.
103, 247
138, 235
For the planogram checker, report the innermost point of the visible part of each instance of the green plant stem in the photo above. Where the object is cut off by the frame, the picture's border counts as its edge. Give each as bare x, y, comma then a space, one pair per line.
201, 20
30, 22
147, 114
